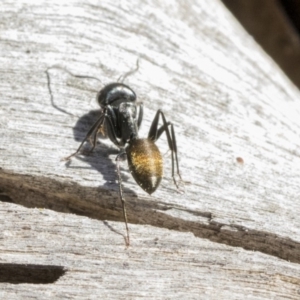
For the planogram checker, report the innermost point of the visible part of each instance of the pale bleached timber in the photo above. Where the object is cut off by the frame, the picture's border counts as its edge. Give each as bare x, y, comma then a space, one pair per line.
233, 233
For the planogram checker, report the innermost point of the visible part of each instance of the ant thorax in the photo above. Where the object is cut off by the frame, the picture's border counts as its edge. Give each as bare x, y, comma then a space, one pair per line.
127, 117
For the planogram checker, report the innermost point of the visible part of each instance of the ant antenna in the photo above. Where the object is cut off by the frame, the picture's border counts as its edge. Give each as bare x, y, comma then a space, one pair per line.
123, 77
49, 85
51, 95
72, 74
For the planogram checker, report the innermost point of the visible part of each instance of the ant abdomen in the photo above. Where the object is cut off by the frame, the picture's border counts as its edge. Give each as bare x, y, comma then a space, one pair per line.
145, 163
115, 93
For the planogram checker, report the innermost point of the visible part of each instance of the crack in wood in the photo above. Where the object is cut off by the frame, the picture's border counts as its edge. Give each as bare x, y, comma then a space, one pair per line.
30, 273
91, 202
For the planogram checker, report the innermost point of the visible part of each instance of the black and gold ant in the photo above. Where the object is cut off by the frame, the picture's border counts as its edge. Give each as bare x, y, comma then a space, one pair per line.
120, 119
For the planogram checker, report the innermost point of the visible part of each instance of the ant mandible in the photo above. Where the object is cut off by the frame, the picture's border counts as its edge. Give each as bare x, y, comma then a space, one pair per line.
120, 119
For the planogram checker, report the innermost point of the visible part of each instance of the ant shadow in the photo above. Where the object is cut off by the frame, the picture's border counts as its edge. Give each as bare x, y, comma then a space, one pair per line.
100, 158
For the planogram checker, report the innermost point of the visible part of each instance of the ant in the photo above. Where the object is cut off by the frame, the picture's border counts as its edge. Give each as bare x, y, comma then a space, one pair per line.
120, 119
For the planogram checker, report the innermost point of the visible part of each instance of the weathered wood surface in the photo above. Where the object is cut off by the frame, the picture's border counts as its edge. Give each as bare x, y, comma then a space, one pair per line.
235, 231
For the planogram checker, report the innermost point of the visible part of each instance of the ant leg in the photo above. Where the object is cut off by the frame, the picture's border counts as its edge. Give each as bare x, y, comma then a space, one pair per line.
160, 131
111, 123
92, 131
106, 115
155, 133
175, 149
118, 159
141, 113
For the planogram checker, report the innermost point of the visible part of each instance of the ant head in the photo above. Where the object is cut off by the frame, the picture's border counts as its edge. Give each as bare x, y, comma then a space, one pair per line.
115, 93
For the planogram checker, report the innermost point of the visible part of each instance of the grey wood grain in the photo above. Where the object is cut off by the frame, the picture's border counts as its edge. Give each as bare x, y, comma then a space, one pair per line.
235, 230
